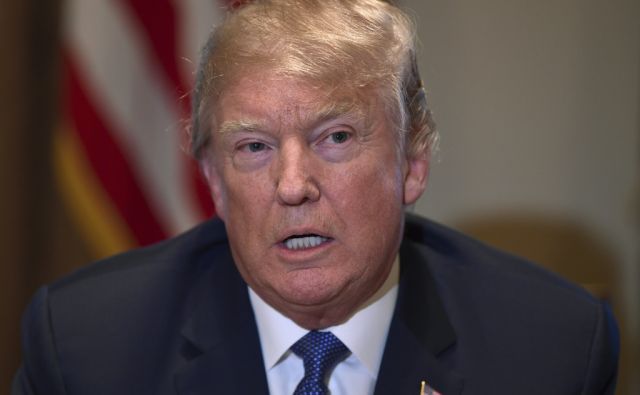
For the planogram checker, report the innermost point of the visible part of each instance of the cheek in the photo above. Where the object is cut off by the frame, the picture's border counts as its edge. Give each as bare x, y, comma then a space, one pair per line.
372, 182
247, 199
369, 194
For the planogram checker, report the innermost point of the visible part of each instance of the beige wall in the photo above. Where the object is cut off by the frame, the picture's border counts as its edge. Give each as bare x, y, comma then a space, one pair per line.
538, 106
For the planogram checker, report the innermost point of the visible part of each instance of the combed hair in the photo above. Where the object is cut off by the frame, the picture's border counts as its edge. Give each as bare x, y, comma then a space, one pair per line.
363, 45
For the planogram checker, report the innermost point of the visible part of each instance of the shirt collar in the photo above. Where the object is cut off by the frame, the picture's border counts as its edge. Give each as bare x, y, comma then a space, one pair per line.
365, 333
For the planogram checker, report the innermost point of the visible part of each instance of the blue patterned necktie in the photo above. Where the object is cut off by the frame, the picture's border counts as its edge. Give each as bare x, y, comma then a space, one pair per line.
320, 352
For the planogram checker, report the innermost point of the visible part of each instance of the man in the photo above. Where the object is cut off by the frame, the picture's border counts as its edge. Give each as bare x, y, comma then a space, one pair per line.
311, 127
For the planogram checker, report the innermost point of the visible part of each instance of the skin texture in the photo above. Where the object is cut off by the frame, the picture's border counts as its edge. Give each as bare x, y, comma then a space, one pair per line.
285, 160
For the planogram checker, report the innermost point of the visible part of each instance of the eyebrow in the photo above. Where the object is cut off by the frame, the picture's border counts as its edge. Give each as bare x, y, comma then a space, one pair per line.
337, 110
237, 126
323, 114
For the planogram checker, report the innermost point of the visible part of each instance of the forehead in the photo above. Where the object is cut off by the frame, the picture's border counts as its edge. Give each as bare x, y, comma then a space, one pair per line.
267, 97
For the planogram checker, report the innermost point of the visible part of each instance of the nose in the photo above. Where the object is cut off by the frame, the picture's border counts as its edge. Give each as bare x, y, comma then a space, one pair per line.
295, 184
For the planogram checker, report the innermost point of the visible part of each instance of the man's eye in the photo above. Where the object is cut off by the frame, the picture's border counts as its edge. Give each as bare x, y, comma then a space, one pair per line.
255, 146
340, 137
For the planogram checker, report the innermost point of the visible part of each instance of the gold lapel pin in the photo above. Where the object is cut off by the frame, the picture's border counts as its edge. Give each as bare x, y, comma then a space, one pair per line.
426, 390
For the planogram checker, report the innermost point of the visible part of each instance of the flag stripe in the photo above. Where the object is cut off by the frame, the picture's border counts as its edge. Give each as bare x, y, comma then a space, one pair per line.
127, 105
124, 80
161, 23
158, 20
87, 200
109, 163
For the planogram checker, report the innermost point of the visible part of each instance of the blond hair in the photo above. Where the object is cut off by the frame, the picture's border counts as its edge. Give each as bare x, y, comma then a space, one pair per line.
350, 44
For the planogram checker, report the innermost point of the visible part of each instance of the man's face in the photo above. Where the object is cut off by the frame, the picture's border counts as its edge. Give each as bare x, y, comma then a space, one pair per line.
311, 191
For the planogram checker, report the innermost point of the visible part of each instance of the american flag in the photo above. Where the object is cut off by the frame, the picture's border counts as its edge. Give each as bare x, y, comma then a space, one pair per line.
119, 153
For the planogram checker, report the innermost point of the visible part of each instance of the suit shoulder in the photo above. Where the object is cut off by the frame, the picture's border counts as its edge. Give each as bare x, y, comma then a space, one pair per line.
449, 251
124, 311
128, 284
517, 313
180, 252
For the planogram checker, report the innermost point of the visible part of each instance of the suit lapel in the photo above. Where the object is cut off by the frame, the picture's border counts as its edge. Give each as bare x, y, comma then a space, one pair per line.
222, 349
420, 332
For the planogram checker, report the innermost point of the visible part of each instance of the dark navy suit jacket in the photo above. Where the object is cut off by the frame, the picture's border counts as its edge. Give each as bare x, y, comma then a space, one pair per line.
175, 318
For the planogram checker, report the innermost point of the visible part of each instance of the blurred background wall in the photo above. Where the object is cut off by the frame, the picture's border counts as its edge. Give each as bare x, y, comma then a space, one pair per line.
538, 105
538, 109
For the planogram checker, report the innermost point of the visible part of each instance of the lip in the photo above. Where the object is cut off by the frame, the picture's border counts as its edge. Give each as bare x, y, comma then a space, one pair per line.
282, 236
303, 254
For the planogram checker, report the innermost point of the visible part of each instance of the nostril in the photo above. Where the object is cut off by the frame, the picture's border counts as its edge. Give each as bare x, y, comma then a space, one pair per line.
295, 189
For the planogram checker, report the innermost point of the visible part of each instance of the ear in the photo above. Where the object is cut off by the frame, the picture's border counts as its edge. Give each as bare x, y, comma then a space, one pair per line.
415, 180
214, 181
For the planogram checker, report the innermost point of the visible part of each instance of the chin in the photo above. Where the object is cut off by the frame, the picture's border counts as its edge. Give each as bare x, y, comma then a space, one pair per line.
305, 289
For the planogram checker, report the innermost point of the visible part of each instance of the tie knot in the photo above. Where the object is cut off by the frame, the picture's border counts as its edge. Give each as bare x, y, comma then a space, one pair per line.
320, 352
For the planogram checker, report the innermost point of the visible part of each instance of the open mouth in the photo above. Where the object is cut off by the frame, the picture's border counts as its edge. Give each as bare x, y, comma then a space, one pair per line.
299, 242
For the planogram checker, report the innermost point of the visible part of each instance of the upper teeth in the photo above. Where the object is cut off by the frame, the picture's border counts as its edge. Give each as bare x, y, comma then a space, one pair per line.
295, 243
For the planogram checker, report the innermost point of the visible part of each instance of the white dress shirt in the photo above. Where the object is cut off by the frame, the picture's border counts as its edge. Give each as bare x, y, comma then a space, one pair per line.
365, 334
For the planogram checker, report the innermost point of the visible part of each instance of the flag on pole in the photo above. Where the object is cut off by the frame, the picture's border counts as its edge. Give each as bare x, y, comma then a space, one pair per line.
120, 153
